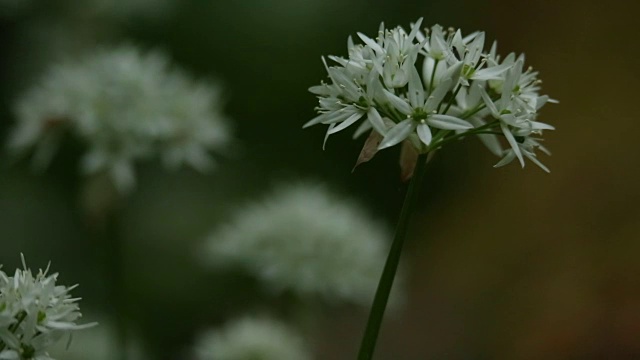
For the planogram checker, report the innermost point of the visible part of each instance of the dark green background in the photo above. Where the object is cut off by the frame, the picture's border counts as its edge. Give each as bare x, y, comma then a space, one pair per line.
503, 263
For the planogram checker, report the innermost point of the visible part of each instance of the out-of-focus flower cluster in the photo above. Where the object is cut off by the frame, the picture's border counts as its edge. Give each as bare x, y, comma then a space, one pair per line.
122, 105
99, 344
427, 89
304, 239
34, 314
252, 338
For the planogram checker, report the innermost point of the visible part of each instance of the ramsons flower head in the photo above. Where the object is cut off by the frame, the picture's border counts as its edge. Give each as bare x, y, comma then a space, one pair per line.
34, 314
426, 89
252, 338
122, 105
304, 239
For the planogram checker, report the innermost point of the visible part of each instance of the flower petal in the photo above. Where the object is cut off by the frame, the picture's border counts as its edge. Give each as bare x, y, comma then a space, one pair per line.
366, 125
372, 44
512, 142
438, 94
491, 73
376, 121
416, 89
397, 134
345, 124
398, 103
537, 162
326, 136
448, 122
487, 101
424, 133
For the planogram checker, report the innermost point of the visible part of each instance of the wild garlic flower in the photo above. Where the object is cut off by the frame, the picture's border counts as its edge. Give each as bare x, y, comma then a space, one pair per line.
99, 344
122, 105
428, 89
252, 339
34, 314
304, 239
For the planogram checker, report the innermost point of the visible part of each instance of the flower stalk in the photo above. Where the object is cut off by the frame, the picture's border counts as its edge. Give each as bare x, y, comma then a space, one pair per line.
381, 298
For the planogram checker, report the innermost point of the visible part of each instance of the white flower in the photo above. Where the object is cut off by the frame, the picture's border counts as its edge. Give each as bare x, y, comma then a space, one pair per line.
305, 239
34, 314
252, 339
122, 106
97, 344
428, 89
513, 113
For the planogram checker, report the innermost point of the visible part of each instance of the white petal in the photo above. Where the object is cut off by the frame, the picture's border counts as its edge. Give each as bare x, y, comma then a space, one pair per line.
345, 124
376, 121
506, 159
541, 126
489, 102
414, 29
372, 44
438, 94
416, 89
398, 103
448, 122
366, 125
492, 143
396, 134
537, 162
424, 133
453, 73
512, 142
326, 136
491, 73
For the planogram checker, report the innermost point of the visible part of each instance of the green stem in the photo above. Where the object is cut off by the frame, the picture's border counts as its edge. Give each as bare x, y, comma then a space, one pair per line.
102, 203
479, 130
433, 75
391, 266
114, 262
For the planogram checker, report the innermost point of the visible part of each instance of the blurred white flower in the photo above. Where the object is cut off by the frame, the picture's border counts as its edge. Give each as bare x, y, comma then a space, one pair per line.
422, 89
304, 239
122, 105
252, 339
34, 314
97, 344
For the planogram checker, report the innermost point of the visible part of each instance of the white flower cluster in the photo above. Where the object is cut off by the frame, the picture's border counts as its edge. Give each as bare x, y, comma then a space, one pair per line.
99, 344
304, 239
431, 88
34, 314
122, 105
252, 339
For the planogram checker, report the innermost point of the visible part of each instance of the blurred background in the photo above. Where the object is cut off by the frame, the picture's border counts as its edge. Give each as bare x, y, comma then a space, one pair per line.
501, 263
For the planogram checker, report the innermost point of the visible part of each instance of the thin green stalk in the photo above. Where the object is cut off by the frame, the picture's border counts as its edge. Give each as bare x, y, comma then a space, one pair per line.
114, 263
101, 203
391, 266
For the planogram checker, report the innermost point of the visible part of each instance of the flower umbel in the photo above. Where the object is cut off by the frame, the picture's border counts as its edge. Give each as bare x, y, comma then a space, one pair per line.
34, 314
428, 89
122, 105
252, 339
307, 240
